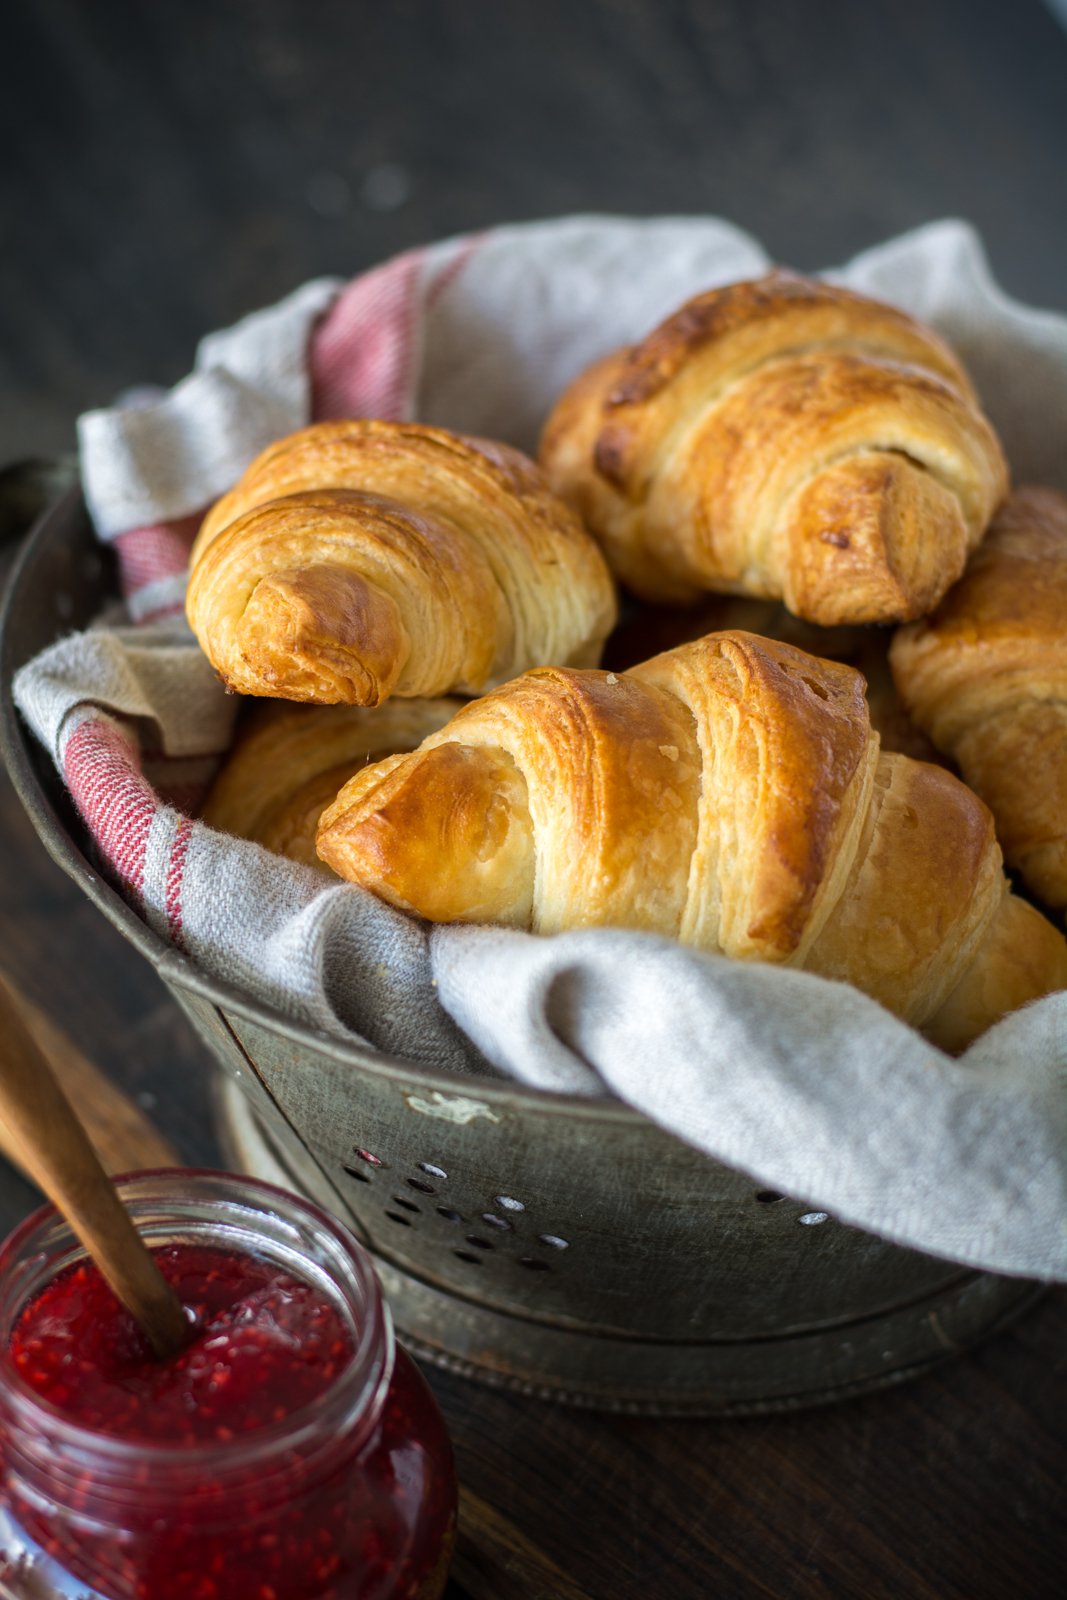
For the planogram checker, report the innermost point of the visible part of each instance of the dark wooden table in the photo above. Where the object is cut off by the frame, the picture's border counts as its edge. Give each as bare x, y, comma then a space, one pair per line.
168, 167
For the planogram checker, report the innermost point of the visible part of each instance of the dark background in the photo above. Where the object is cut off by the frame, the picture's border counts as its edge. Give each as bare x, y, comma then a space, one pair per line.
168, 166
171, 164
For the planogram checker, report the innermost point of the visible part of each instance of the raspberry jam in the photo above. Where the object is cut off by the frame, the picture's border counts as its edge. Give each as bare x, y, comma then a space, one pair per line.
262, 1345
289, 1452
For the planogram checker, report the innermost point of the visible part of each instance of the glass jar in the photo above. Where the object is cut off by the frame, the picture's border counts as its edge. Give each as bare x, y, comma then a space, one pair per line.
351, 1497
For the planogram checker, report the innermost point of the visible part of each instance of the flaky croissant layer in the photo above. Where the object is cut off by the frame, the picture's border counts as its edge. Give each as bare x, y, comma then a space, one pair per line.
786, 439
986, 678
356, 560
728, 793
290, 760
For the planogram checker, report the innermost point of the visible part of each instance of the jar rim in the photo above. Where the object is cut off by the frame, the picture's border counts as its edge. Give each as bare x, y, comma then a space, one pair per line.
356, 1395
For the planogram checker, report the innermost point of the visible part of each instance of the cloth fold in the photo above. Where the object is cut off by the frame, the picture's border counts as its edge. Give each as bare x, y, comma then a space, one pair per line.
807, 1085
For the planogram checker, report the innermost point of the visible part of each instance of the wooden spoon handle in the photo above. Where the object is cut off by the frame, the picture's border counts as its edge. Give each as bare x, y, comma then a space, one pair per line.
57, 1155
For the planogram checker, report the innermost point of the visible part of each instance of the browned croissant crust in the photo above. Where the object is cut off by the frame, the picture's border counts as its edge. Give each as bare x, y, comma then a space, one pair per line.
290, 761
360, 559
653, 629
786, 439
729, 794
986, 677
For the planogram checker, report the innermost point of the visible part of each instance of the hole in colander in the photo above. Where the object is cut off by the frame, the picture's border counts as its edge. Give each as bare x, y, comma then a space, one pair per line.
435, 1172
405, 1205
394, 1216
768, 1197
494, 1221
365, 1155
554, 1240
508, 1203
811, 1218
479, 1244
449, 1216
423, 1188
534, 1266
360, 1177
465, 1255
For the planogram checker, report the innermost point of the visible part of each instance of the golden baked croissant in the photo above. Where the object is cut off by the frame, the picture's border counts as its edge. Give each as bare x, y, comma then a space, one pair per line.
355, 560
649, 630
290, 761
986, 677
729, 794
787, 439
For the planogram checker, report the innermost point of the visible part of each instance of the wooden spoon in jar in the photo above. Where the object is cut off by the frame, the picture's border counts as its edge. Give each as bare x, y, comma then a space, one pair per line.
55, 1152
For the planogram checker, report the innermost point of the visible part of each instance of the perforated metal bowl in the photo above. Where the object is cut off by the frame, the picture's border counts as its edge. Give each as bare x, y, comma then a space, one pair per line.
563, 1245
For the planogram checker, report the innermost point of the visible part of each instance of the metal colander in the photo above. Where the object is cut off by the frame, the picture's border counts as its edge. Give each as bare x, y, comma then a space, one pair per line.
563, 1245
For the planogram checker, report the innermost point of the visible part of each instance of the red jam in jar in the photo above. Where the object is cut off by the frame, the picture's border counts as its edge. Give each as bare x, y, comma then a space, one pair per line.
290, 1451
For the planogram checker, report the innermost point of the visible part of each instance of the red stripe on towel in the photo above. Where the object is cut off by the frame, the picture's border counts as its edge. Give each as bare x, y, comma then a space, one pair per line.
158, 550
103, 774
452, 269
362, 351
175, 874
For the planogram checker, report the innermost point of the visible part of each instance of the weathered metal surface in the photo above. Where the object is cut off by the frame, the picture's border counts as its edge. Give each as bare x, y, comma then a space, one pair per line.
566, 1215
723, 1377
567, 1246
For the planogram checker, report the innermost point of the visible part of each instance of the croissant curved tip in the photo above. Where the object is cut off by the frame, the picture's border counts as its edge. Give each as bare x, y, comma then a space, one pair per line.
320, 633
444, 833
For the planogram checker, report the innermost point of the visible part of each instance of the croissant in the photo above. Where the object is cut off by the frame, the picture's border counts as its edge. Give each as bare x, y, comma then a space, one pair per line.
290, 761
728, 794
355, 560
786, 439
986, 678
649, 630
